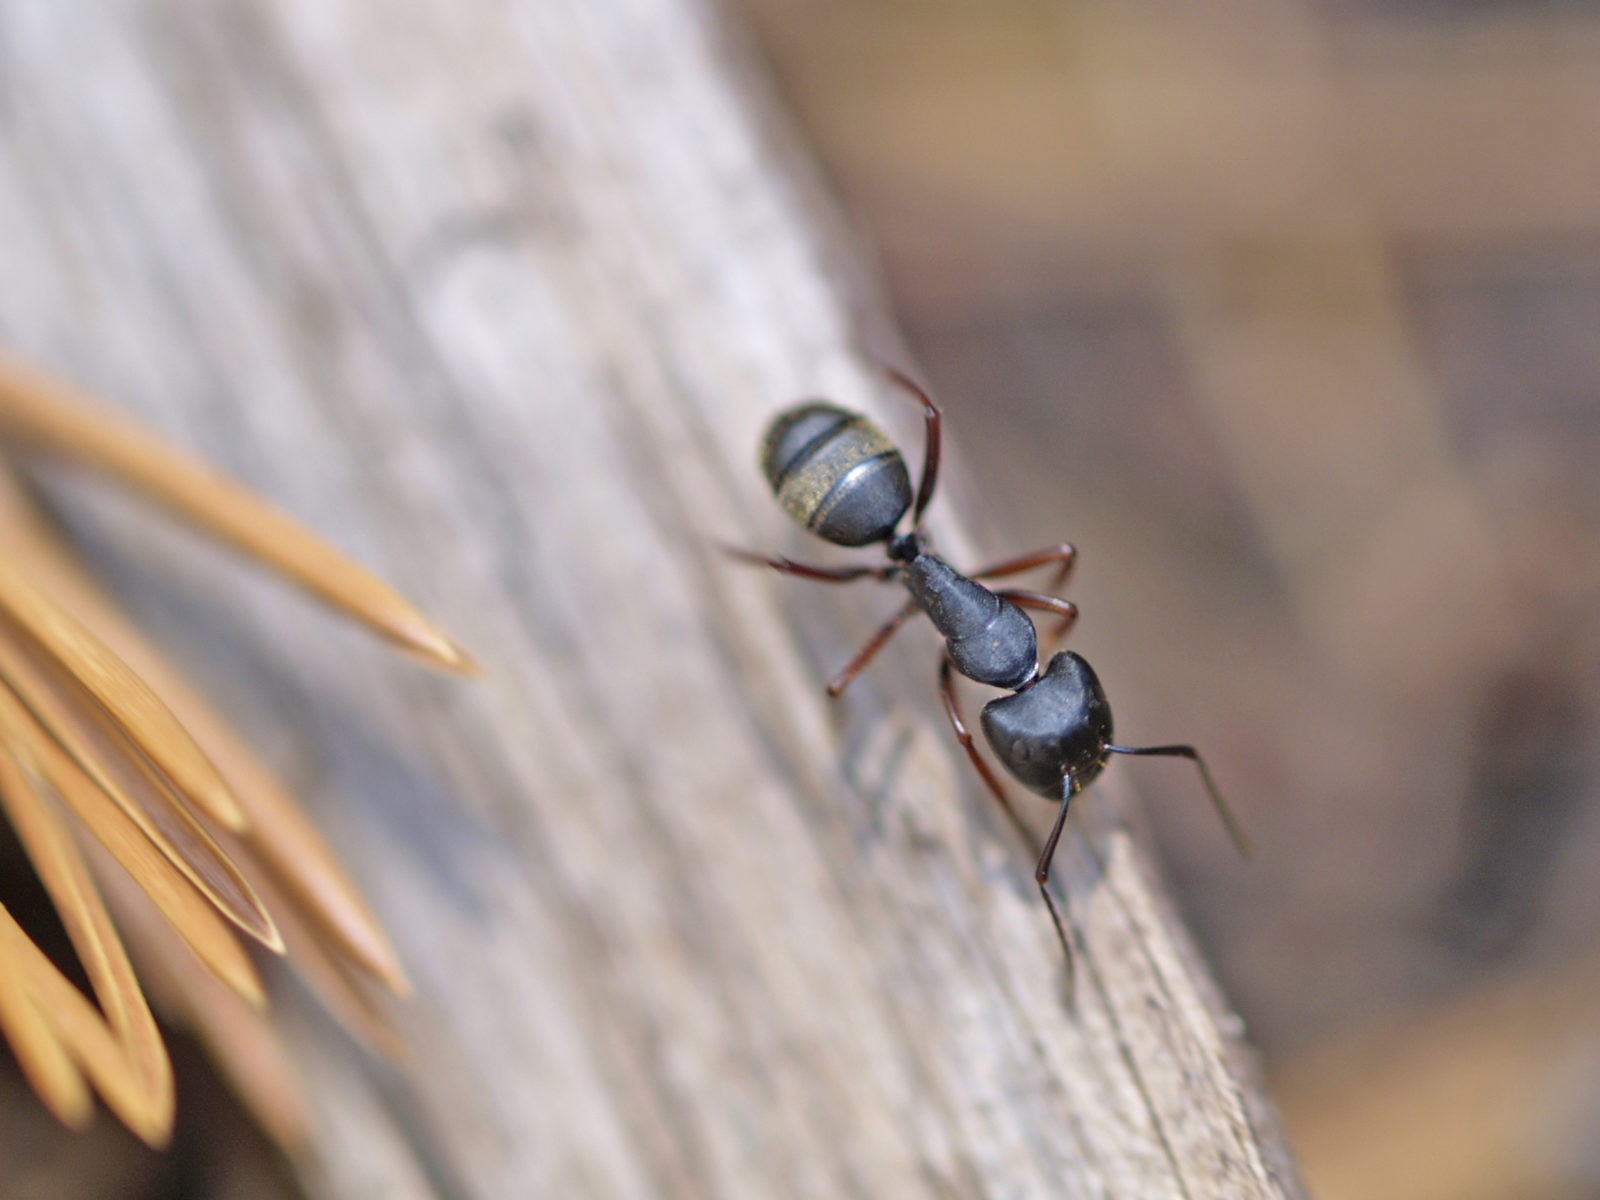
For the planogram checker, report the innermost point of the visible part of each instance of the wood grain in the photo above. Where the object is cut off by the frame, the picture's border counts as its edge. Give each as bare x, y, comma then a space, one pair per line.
500, 298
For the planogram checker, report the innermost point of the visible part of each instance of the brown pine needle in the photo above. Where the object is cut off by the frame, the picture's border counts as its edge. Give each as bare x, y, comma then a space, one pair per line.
94, 748
65, 876
127, 698
45, 1062
83, 1033
51, 414
344, 989
100, 750
95, 722
146, 854
281, 837
238, 1037
297, 860
200, 857
154, 893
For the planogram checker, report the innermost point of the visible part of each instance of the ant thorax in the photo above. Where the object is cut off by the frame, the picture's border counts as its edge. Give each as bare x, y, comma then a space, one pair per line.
988, 639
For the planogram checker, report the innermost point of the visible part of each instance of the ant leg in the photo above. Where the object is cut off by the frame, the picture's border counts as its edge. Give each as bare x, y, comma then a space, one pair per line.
822, 574
952, 710
870, 651
1064, 554
1235, 830
1041, 873
1041, 876
1065, 609
931, 448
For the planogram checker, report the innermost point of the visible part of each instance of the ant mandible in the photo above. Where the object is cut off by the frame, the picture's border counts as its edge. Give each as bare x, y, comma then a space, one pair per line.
841, 477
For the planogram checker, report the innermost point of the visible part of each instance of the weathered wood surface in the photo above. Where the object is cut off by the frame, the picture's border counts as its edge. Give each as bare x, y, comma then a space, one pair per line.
500, 297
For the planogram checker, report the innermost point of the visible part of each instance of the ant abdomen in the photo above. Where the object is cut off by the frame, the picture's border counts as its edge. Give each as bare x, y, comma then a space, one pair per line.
836, 473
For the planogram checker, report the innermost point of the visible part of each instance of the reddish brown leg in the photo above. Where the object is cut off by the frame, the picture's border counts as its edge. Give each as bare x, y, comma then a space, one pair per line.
931, 448
1065, 555
822, 574
1041, 874
870, 651
1065, 609
952, 710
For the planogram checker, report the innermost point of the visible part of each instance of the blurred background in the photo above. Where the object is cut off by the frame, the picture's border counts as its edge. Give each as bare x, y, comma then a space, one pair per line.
1285, 312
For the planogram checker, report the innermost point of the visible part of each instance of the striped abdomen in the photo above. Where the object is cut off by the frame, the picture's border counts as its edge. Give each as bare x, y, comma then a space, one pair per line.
836, 473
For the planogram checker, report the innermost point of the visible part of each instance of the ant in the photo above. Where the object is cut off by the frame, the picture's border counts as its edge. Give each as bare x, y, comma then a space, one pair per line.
841, 477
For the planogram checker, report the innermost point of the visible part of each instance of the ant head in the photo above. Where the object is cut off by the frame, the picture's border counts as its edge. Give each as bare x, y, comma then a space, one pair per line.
1054, 736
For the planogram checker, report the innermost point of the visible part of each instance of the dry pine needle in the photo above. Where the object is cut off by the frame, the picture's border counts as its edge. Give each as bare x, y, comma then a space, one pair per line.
146, 817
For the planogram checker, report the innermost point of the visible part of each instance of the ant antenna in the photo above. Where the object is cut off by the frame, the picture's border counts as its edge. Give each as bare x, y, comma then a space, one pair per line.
1235, 830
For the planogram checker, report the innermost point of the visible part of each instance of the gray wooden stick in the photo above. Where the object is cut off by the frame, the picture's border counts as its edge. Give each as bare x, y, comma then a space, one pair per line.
500, 297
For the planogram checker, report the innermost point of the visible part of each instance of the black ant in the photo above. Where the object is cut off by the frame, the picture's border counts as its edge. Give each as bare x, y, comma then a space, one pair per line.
841, 477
